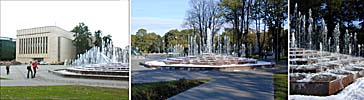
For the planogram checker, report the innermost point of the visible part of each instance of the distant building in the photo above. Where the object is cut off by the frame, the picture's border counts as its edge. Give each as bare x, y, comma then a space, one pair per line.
50, 44
7, 49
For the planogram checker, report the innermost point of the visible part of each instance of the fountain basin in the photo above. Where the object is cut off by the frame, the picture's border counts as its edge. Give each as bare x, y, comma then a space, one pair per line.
210, 66
98, 72
321, 87
296, 76
307, 68
298, 61
358, 71
114, 71
207, 62
92, 75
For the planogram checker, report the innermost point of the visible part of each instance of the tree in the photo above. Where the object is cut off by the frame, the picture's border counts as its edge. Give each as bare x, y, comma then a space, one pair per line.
98, 39
202, 16
234, 10
242, 13
107, 41
82, 40
141, 32
147, 42
256, 16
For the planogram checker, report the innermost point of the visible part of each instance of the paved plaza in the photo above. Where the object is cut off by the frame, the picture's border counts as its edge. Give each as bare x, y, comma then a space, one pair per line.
17, 77
222, 86
250, 85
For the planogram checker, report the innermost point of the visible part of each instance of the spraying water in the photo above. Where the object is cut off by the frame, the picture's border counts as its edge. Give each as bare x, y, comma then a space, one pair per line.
336, 38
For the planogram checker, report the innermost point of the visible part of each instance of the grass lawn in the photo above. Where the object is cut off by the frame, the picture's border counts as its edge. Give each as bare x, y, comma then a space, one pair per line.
62, 93
284, 58
3, 78
162, 90
280, 86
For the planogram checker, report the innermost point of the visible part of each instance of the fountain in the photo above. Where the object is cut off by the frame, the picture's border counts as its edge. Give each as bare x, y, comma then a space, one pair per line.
210, 58
293, 41
346, 41
300, 38
336, 37
324, 35
303, 32
309, 30
227, 46
325, 71
355, 44
209, 41
106, 62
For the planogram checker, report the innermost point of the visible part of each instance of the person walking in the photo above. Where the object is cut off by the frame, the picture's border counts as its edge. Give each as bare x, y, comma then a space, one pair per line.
7, 68
29, 68
35, 67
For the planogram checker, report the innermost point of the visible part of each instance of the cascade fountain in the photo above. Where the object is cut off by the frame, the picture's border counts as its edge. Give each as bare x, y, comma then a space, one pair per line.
210, 59
324, 72
106, 62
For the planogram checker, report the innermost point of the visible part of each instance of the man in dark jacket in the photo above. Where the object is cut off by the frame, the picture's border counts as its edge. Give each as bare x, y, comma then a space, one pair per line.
29, 68
7, 68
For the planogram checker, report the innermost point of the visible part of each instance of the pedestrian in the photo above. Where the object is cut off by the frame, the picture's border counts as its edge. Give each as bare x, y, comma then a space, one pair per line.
35, 67
29, 68
265, 54
7, 68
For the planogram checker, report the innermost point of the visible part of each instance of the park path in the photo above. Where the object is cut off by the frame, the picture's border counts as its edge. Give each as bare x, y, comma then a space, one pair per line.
245, 85
18, 77
249, 85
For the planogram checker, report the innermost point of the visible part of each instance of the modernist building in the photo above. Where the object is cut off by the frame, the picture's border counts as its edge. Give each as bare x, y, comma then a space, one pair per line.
50, 44
7, 49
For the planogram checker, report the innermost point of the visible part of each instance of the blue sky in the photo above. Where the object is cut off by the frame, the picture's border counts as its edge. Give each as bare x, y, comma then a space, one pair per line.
158, 16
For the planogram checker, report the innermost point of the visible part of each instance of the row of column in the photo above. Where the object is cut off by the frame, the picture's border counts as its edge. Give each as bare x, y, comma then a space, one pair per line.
33, 45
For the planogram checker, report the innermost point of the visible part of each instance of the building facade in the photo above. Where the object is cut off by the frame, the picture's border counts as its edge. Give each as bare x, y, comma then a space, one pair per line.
50, 44
7, 49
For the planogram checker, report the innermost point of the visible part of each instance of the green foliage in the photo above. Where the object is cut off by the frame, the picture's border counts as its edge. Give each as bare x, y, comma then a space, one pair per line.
280, 86
4, 78
162, 90
62, 93
241, 14
107, 39
82, 39
154, 43
147, 42
175, 37
231, 8
284, 58
98, 39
